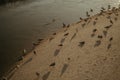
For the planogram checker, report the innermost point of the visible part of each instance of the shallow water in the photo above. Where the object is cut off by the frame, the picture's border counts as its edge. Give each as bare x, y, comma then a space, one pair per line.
22, 25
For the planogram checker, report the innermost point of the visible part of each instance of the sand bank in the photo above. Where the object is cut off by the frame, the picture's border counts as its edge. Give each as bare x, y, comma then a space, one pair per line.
86, 50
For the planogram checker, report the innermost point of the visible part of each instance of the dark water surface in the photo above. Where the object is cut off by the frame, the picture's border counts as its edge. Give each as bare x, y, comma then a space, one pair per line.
22, 25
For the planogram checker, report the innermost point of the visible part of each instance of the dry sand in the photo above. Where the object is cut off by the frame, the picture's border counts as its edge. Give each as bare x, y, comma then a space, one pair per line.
86, 50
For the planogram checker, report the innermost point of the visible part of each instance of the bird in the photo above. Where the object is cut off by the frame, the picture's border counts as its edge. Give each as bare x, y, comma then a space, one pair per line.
83, 24
37, 73
68, 25
98, 42
105, 33
92, 35
108, 17
64, 25
111, 39
51, 38
87, 14
53, 20
68, 58
94, 23
81, 44
34, 52
100, 36
102, 8
66, 34
81, 18
40, 39
109, 46
52, 64
94, 30
54, 33
60, 45
91, 10
115, 18
96, 18
109, 6
107, 27
111, 21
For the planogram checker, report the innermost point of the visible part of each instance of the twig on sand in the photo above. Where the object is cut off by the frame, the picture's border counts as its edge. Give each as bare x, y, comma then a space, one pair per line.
73, 36
56, 52
45, 76
64, 68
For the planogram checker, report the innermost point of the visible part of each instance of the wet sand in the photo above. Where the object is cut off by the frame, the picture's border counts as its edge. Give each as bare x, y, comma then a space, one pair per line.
86, 50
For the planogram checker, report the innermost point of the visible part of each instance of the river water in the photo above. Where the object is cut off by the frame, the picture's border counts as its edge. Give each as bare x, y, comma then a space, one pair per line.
22, 25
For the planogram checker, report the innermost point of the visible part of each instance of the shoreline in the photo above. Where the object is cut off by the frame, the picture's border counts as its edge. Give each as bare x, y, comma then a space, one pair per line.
31, 55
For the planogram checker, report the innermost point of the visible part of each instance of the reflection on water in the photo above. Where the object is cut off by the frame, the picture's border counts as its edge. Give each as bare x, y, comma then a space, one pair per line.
22, 25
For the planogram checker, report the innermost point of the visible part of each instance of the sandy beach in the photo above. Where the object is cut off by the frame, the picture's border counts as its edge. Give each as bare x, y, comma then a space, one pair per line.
86, 50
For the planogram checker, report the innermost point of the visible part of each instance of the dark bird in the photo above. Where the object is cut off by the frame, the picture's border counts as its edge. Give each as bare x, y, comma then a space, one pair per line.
51, 38
81, 44
81, 18
52, 64
102, 8
83, 25
94, 23
109, 46
68, 58
100, 36
107, 27
105, 33
64, 25
68, 25
96, 18
115, 18
76, 30
87, 14
34, 52
108, 17
101, 13
86, 19
116, 14
111, 39
37, 73
109, 6
94, 30
54, 33
91, 10
98, 42
66, 34
62, 40
92, 35
111, 21
60, 45
40, 39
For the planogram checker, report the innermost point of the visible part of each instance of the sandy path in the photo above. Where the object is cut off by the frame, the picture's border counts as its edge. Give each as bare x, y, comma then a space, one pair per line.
76, 54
